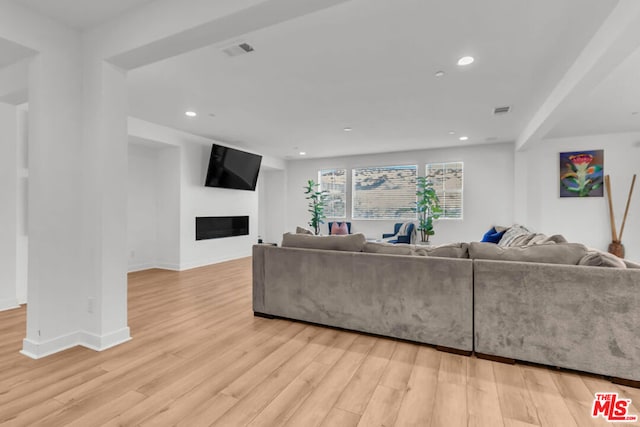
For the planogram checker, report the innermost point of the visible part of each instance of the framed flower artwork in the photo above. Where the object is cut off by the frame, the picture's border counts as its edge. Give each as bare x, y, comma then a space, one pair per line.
582, 173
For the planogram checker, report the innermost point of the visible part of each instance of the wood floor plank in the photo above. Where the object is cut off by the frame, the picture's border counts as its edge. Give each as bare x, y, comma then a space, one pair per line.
398, 371
515, 400
550, 407
321, 400
199, 357
417, 405
280, 410
356, 395
483, 403
383, 407
340, 417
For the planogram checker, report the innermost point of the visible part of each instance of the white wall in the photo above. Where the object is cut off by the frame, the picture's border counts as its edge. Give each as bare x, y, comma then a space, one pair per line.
584, 220
197, 200
153, 232
8, 206
167, 178
23, 196
272, 205
488, 189
142, 208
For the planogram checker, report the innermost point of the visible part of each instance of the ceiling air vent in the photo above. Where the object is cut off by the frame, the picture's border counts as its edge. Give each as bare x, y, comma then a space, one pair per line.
238, 49
501, 110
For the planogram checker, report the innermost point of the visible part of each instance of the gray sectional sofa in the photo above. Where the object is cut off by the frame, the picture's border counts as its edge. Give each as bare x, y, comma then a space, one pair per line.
423, 299
571, 316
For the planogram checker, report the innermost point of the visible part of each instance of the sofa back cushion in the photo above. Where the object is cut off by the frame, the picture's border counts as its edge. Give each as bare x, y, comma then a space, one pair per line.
349, 243
450, 250
554, 253
387, 248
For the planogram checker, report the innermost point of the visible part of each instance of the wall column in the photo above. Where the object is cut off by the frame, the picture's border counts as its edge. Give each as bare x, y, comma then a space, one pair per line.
55, 276
104, 160
8, 206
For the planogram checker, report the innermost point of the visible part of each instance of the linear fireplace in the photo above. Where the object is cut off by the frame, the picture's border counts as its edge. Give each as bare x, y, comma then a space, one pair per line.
214, 227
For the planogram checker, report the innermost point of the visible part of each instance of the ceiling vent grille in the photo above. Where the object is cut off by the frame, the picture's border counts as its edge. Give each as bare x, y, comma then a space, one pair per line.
501, 110
238, 49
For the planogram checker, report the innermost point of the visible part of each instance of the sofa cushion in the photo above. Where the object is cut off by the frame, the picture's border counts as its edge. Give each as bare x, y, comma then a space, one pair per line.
560, 253
450, 250
302, 230
492, 236
349, 243
596, 258
387, 248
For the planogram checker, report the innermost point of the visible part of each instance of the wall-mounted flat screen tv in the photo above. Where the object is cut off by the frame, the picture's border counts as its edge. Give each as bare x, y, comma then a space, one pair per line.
231, 168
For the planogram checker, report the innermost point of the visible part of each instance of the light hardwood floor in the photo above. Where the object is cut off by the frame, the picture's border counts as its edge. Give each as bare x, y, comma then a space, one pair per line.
199, 357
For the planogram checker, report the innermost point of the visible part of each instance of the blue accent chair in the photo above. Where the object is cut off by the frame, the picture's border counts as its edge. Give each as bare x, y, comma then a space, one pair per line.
330, 223
401, 238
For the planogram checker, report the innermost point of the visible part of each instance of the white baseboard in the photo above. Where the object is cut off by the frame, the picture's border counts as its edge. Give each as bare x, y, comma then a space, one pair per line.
202, 263
100, 343
168, 266
9, 304
140, 267
38, 350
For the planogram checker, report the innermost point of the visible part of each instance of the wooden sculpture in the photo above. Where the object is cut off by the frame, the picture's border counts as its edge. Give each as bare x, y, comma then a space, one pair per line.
616, 247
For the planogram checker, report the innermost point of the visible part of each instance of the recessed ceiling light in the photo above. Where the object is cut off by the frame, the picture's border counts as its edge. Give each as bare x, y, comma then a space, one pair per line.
347, 129
451, 132
303, 153
463, 138
190, 113
439, 73
465, 60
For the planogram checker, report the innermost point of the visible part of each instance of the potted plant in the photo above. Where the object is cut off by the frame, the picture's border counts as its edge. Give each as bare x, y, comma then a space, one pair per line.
427, 206
316, 204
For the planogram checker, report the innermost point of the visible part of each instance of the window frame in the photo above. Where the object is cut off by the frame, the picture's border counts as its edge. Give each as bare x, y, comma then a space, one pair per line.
346, 185
443, 191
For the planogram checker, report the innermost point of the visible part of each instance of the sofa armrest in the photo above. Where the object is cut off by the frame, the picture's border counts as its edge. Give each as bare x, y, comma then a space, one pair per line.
387, 235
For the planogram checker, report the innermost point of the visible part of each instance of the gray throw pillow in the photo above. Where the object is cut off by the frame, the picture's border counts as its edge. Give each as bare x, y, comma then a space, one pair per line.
511, 234
302, 230
631, 264
349, 242
554, 253
387, 248
449, 250
596, 258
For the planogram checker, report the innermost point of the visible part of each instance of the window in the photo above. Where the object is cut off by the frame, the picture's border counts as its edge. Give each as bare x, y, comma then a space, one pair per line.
385, 192
334, 182
447, 181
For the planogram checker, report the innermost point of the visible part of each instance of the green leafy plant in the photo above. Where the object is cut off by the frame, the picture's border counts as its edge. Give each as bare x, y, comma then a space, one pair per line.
427, 206
317, 200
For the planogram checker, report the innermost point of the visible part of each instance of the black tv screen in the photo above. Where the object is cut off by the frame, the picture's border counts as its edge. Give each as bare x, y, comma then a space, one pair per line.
231, 168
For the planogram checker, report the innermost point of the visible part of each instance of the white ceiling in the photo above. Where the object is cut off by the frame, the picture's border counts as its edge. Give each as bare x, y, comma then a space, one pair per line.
82, 14
369, 65
610, 107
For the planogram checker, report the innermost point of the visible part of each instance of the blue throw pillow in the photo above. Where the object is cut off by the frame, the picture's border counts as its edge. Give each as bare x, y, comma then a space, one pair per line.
492, 236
